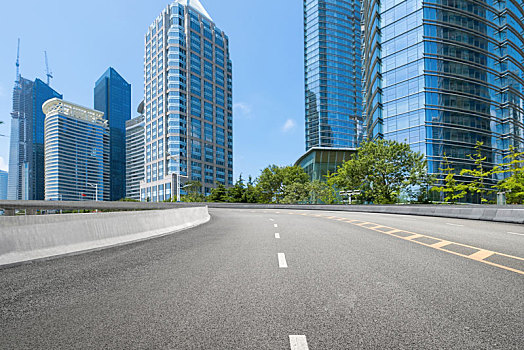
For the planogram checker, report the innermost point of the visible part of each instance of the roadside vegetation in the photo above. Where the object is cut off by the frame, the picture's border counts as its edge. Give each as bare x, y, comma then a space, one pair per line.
381, 172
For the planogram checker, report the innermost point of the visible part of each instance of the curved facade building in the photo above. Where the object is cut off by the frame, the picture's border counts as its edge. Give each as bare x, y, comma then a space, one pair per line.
76, 153
332, 73
442, 75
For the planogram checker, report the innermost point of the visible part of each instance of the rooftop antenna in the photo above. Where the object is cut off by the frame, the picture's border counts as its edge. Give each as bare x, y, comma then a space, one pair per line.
48, 73
18, 62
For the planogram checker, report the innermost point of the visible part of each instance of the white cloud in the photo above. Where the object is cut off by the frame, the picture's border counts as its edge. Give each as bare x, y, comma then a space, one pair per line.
3, 164
242, 110
289, 125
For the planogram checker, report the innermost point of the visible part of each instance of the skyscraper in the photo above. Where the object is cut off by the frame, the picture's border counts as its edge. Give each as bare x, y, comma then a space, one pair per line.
76, 152
3, 185
113, 97
188, 101
333, 91
135, 146
26, 154
442, 75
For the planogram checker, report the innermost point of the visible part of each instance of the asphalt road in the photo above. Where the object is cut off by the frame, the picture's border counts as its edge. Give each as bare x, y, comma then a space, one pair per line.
350, 283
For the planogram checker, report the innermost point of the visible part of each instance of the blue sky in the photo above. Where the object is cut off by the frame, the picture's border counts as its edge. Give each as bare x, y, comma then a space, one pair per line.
83, 38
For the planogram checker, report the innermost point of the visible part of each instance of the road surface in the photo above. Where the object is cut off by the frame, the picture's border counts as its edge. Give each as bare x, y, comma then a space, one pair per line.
270, 279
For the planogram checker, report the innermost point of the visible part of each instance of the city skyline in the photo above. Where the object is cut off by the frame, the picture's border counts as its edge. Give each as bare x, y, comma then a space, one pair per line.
275, 115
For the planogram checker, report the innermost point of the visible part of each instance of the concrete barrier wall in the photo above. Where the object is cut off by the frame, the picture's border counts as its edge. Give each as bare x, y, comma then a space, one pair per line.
27, 238
509, 214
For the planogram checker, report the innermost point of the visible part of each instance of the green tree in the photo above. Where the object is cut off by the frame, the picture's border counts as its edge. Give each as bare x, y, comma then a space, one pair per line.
218, 194
251, 193
193, 191
479, 174
452, 190
296, 193
513, 186
382, 170
273, 181
235, 194
322, 192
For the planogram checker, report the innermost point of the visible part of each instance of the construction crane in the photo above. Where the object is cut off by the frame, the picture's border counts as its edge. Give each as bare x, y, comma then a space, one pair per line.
48, 73
18, 62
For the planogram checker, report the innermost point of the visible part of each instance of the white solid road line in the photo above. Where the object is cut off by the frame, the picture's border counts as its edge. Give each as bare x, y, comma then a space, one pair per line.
282, 263
277, 235
275, 225
515, 233
447, 223
298, 342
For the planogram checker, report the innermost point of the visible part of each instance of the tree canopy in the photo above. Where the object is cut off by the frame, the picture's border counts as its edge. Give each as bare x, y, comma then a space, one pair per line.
382, 170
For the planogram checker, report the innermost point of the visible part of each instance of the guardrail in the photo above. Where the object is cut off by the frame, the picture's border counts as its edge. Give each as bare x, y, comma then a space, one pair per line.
510, 214
32, 207
34, 237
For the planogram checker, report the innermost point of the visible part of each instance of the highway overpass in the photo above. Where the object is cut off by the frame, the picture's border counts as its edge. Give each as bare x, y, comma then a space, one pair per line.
280, 279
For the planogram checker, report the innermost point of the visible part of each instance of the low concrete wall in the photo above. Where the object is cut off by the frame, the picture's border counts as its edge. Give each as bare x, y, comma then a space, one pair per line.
28, 238
509, 214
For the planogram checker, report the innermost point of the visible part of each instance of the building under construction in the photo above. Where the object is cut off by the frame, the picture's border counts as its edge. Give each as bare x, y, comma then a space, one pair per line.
26, 155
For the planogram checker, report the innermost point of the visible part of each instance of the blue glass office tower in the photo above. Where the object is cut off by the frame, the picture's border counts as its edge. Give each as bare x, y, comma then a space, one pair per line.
444, 74
333, 89
113, 97
26, 154
188, 102
3, 185
332, 73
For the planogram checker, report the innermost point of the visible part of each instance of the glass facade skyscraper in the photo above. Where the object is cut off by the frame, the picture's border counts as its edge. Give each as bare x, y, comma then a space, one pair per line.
332, 43
3, 185
76, 153
26, 154
188, 102
113, 97
443, 75
135, 146
333, 89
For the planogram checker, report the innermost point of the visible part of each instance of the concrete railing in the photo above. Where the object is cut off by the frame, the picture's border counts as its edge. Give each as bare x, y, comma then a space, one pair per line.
31, 207
508, 214
27, 238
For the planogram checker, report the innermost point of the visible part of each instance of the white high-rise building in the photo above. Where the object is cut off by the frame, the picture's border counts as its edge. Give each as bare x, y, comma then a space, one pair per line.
188, 102
76, 152
135, 154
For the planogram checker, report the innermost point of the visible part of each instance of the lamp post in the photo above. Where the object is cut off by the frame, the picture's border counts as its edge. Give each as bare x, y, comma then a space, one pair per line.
96, 190
96, 193
178, 176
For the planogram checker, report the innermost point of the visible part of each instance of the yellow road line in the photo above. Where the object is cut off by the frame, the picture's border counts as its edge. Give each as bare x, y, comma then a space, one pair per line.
479, 256
440, 244
409, 238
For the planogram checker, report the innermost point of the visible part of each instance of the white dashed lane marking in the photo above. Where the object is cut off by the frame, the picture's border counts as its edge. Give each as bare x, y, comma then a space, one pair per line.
515, 233
282, 263
277, 235
298, 342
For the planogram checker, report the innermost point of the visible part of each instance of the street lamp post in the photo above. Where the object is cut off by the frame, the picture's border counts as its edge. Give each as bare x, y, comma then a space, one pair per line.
96, 193
96, 190
178, 177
